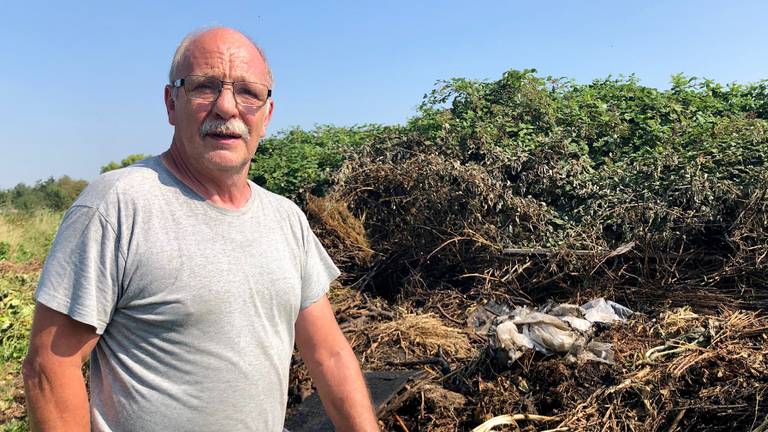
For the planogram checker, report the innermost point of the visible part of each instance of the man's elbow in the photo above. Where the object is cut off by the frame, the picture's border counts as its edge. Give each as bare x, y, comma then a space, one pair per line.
37, 373
37, 370
31, 369
330, 357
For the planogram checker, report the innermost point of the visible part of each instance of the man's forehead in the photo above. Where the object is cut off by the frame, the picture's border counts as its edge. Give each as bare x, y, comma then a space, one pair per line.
224, 55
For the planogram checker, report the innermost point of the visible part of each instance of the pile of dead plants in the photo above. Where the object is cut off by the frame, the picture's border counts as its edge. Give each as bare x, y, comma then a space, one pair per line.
528, 189
538, 187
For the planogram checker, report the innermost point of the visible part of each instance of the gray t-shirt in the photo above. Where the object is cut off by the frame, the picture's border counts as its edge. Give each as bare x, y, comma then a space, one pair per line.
195, 304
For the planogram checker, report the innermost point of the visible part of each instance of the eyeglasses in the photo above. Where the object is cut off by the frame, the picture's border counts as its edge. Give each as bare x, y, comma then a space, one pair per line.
206, 88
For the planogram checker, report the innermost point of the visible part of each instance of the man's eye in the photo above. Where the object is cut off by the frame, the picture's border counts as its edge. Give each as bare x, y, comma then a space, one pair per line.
251, 93
204, 87
246, 93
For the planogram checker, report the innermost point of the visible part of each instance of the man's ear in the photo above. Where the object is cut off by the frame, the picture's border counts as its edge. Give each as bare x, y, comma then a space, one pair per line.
267, 117
170, 105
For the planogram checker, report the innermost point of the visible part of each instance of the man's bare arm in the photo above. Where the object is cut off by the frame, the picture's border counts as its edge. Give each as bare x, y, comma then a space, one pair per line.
53, 380
334, 369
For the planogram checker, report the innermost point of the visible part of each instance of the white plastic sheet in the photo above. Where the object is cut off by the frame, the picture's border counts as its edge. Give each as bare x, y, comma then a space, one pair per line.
600, 310
556, 328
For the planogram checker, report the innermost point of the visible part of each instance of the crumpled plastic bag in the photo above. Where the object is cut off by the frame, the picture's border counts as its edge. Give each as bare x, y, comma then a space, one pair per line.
512, 341
600, 310
596, 351
555, 328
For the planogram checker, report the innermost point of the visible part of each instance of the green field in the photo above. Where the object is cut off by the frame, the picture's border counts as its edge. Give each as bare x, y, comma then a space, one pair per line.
24, 241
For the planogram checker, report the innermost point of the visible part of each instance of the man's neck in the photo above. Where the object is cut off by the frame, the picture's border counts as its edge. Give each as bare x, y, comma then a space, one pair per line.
230, 191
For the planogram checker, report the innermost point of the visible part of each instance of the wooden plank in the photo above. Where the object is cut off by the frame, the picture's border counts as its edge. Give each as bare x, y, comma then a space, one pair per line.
383, 386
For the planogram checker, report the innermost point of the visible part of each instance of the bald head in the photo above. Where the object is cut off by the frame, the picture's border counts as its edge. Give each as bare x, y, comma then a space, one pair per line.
192, 43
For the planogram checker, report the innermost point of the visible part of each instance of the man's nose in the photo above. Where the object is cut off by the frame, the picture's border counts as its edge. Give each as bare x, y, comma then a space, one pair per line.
225, 104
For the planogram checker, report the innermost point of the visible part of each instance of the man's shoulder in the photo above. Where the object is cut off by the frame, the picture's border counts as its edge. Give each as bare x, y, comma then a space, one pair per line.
122, 184
275, 201
280, 209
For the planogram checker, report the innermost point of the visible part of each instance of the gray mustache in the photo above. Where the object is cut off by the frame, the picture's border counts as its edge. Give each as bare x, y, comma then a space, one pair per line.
217, 126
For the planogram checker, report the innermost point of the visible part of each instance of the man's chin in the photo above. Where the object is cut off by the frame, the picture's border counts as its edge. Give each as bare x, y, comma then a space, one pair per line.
224, 161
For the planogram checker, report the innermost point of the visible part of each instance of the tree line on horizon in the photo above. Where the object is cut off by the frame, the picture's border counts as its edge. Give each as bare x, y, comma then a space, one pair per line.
54, 194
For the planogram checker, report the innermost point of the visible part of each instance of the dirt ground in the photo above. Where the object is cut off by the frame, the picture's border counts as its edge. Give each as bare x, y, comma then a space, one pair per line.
702, 367
676, 369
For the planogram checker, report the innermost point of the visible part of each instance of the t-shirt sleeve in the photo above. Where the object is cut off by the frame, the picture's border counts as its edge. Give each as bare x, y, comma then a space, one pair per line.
81, 275
318, 270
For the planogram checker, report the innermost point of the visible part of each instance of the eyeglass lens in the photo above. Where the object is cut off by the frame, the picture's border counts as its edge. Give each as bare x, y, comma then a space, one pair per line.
208, 89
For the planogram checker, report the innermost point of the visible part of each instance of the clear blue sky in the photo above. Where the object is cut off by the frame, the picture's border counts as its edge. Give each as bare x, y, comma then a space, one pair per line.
82, 82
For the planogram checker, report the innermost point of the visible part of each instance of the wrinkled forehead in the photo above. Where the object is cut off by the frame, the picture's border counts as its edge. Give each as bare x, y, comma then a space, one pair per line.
228, 60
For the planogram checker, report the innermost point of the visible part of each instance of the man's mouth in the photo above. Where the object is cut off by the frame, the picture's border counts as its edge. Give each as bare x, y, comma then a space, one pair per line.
225, 135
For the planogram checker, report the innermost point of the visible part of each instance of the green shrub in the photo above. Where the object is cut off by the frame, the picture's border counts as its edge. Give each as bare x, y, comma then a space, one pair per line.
5, 250
16, 307
542, 162
127, 161
15, 425
296, 161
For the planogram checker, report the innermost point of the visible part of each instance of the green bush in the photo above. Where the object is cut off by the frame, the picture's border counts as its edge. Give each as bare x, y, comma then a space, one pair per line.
17, 305
16, 310
5, 250
296, 161
127, 161
541, 162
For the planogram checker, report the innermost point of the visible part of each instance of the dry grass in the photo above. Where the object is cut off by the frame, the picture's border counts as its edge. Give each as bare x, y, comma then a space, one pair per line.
414, 336
343, 234
27, 236
710, 374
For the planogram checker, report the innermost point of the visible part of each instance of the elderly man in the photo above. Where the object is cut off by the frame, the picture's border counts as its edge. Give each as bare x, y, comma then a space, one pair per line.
185, 283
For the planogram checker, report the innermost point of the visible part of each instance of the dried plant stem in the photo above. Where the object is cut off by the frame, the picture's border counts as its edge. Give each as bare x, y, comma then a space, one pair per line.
509, 419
